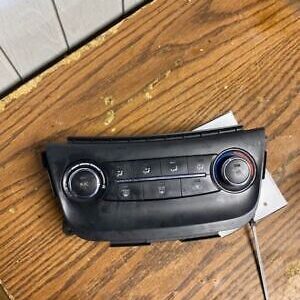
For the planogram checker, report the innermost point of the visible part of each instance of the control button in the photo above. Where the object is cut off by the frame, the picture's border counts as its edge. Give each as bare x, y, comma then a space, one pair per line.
174, 166
125, 192
120, 170
83, 181
197, 186
173, 188
236, 171
199, 164
146, 168
162, 189
154, 190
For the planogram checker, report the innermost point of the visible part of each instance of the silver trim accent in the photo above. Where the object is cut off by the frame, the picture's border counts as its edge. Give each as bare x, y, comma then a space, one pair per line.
161, 178
248, 183
69, 174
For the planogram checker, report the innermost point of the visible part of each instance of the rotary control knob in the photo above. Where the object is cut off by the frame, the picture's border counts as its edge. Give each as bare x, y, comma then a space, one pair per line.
234, 170
83, 181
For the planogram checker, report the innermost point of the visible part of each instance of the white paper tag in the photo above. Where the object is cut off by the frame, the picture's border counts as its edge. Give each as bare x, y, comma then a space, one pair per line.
270, 199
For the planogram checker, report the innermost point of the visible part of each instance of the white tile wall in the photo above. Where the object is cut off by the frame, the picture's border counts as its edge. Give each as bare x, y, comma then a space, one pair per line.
130, 4
35, 32
30, 33
81, 18
8, 75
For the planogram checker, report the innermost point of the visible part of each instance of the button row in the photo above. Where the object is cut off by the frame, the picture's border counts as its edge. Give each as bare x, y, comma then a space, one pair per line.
160, 167
161, 189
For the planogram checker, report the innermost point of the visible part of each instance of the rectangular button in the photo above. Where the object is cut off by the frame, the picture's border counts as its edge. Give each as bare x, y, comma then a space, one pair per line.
147, 168
199, 164
162, 189
126, 192
197, 186
120, 170
154, 190
173, 188
174, 166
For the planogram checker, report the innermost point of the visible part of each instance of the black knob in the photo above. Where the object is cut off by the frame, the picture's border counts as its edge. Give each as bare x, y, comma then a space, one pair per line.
234, 170
83, 181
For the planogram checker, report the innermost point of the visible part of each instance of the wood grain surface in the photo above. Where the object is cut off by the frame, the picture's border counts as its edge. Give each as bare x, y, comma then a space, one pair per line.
169, 67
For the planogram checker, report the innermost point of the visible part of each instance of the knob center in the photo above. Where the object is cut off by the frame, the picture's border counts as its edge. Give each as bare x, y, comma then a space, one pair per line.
84, 183
236, 171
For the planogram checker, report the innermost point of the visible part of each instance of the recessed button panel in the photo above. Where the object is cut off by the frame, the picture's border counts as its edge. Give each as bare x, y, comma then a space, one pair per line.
174, 166
197, 186
158, 179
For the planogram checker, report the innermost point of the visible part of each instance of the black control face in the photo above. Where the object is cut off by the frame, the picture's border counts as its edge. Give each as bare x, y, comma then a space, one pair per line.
137, 190
234, 170
83, 181
158, 179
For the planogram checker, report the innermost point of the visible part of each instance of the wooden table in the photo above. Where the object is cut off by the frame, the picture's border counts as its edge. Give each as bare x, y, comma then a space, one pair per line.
169, 67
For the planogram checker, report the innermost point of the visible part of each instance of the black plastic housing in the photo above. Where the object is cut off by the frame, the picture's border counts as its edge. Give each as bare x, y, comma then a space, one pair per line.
141, 222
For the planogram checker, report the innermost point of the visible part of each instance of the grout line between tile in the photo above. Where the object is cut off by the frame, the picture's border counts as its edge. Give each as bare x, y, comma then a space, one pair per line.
10, 62
60, 24
123, 6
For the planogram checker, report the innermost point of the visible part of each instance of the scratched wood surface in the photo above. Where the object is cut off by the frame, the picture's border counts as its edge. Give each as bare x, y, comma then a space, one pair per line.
169, 67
